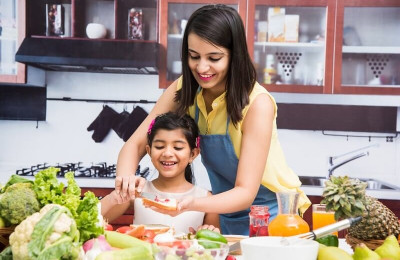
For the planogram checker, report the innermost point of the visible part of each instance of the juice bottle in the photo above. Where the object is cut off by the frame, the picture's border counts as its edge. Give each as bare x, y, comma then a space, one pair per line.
259, 217
287, 222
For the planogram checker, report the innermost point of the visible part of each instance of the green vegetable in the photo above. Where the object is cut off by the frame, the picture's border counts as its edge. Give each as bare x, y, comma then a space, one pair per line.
210, 235
120, 240
6, 254
85, 212
329, 240
132, 253
14, 179
18, 202
48, 234
209, 244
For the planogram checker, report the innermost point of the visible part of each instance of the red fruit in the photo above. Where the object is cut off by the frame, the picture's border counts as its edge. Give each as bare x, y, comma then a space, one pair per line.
124, 229
108, 227
230, 257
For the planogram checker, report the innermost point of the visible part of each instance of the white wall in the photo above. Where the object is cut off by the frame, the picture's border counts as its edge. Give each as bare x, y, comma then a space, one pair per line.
64, 138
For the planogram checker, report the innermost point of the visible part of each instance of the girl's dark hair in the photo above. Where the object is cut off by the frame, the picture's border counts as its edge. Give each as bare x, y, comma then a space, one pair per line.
222, 26
173, 121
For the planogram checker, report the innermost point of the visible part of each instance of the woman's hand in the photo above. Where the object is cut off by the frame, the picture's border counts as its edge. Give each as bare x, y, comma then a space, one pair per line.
126, 186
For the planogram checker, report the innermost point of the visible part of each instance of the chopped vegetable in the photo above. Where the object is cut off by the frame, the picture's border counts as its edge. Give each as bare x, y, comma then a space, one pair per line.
329, 240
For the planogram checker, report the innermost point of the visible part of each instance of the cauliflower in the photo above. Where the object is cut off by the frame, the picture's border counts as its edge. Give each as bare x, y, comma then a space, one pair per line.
18, 202
48, 234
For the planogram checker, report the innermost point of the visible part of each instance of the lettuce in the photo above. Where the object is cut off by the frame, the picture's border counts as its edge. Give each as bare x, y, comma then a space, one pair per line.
49, 190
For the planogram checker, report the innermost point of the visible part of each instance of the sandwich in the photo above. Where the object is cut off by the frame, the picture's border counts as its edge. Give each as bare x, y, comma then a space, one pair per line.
161, 203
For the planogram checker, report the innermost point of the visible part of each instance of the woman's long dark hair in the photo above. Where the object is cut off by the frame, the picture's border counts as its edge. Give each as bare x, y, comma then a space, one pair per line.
222, 26
172, 121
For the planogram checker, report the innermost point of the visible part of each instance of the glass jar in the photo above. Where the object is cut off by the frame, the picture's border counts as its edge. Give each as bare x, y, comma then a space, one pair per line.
259, 217
287, 222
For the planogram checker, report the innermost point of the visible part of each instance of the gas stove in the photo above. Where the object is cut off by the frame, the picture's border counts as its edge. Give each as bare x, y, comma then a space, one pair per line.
81, 170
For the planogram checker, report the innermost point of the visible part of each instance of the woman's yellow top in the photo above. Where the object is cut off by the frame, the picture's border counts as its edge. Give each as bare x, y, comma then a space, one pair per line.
277, 174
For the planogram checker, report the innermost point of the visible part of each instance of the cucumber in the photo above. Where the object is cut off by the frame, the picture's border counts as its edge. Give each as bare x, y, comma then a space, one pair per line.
132, 253
119, 240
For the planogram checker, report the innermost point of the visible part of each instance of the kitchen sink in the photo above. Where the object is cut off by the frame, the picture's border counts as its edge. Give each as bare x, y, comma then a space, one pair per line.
319, 181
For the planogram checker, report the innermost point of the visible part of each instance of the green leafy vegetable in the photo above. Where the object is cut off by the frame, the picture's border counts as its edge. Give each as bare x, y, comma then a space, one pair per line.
85, 212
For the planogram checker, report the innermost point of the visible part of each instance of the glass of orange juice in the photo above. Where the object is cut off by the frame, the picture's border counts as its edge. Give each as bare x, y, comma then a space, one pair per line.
321, 217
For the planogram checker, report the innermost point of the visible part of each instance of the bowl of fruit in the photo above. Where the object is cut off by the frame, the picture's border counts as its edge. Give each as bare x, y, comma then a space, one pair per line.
192, 249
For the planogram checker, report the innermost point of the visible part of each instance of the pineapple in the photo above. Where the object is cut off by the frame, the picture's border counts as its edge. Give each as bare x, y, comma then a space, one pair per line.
347, 198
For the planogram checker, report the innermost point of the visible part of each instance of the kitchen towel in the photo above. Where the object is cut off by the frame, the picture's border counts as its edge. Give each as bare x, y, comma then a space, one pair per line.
103, 123
126, 128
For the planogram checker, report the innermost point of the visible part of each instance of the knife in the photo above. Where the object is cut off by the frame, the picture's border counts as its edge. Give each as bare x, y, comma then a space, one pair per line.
146, 195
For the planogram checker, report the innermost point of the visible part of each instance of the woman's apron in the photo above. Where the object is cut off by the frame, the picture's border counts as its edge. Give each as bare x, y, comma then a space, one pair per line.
221, 162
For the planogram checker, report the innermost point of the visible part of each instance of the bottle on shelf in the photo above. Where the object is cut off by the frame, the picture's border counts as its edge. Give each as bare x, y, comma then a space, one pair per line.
270, 73
287, 222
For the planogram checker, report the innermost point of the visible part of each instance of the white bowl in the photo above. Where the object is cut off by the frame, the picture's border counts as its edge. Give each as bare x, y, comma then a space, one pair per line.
96, 31
272, 248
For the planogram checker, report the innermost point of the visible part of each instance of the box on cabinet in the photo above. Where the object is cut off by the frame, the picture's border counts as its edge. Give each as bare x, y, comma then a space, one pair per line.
276, 24
292, 28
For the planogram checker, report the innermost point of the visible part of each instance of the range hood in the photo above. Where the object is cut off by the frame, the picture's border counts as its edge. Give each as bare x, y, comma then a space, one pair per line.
113, 56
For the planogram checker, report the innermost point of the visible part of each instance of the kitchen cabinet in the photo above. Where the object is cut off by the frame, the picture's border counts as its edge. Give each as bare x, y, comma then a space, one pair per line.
123, 36
12, 32
343, 47
75, 15
331, 46
367, 47
295, 60
173, 17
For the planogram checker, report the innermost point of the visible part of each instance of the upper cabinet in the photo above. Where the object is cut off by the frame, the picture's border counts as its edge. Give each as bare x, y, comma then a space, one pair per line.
305, 46
12, 32
367, 50
173, 18
292, 44
117, 36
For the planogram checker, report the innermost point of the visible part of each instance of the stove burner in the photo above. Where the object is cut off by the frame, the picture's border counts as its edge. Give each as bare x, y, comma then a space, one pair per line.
99, 170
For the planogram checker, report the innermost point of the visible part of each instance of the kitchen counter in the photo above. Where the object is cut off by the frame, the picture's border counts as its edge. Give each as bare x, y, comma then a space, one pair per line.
311, 191
379, 194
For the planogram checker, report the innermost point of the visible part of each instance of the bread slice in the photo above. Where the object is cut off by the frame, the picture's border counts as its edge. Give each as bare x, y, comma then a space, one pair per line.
167, 203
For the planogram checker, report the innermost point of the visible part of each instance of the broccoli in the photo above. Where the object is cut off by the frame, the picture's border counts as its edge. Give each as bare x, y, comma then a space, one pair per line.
18, 202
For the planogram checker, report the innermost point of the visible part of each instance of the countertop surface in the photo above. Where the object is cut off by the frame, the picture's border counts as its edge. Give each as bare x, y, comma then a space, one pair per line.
311, 191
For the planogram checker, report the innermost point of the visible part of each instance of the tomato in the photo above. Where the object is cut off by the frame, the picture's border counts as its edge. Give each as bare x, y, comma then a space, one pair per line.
148, 233
123, 229
181, 244
230, 257
108, 227
137, 232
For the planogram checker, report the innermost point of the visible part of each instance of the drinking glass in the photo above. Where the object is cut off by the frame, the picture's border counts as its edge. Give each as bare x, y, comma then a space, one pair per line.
321, 217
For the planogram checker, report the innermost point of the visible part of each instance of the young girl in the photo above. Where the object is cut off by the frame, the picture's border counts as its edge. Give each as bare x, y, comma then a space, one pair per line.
173, 144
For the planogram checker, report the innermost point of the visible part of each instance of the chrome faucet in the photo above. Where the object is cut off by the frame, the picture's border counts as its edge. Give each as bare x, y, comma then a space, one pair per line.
331, 159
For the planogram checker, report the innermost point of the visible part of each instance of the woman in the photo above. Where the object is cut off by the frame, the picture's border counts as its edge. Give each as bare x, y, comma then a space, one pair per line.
237, 121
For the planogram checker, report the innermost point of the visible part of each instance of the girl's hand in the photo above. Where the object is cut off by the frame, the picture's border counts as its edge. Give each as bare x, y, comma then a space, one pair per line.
209, 227
126, 186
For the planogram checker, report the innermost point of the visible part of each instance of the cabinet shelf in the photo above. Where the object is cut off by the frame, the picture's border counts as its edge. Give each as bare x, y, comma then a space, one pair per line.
290, 44
371, 49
